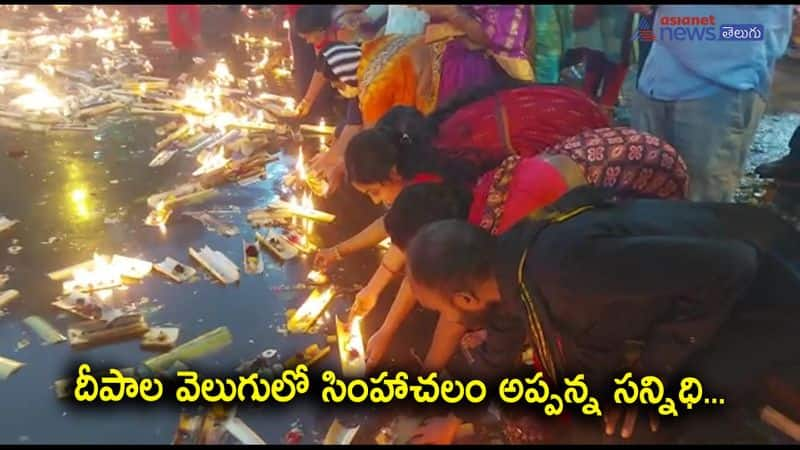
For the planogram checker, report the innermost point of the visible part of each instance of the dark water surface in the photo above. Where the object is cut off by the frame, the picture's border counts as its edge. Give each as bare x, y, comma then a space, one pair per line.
67, 187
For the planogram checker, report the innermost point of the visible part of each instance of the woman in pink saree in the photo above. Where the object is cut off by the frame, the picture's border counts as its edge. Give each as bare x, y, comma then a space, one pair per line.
476, 44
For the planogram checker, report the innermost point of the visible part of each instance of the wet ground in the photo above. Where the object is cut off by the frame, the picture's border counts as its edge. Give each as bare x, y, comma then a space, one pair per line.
77, 193
80, 193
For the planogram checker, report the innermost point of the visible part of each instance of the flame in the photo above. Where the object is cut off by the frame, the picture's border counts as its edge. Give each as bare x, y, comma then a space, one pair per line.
282, 72
223, 120
317, 277
159, 216
134, 47
79, 199
39, 99
102, 274
201, 98
308, 205
310, 310
285, 24
55, 51
144, 23
300, 166
289, 104
210, 163
222, 74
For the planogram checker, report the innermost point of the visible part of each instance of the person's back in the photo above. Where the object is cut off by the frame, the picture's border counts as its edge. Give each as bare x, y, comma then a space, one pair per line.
679, 70
704, 87
637, 270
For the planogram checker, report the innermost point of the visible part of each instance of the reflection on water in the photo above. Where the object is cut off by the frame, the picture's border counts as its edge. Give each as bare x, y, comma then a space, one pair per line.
80, 204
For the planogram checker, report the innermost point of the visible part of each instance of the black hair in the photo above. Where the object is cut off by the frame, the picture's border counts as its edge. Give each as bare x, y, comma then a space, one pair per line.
403, 138
408, 121
418, 134
424, 203
372, 153
311, 18
450, 255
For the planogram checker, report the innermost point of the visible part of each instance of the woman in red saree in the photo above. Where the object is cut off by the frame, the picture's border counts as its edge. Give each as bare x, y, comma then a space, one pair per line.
473, 140
487, 125
631, 163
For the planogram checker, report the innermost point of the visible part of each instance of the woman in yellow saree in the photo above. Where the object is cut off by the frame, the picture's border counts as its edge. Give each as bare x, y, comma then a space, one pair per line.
463, 47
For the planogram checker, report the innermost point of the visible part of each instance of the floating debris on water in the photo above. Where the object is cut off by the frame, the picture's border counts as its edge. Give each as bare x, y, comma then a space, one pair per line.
22, 343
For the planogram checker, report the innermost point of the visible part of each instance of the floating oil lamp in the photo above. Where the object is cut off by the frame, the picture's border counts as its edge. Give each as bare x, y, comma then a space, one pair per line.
101, 277
317, 277
306, 211
145, 24
211, 162
318, 186
158, 217
308, 313
222, 74
351, 348
322, 128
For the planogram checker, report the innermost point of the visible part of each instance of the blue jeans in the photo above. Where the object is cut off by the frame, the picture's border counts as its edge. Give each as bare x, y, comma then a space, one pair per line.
712, 134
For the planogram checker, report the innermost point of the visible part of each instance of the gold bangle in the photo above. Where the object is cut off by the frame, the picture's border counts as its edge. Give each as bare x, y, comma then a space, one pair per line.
336, 252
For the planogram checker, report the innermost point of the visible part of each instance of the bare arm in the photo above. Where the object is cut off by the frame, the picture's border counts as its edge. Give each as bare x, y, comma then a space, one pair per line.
365, 300
403, 303
391, 264
446, 338
318, 82
370, 236
344, 138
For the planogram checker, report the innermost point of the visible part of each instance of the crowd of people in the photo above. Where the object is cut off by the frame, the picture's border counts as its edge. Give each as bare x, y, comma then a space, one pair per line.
533, 224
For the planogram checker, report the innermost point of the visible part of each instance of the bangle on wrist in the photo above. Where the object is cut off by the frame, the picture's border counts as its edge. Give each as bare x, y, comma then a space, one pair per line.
336, 252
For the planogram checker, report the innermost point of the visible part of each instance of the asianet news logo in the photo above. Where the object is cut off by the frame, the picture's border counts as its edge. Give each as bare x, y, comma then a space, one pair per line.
693, 28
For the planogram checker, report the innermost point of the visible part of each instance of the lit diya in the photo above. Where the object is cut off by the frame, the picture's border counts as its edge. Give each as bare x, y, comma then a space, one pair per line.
159, 216
351, 348
306, 316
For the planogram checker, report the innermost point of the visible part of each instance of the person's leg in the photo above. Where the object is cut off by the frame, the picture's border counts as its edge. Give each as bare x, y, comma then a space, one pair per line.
613, 79
651, 116
713, 135
593, 73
